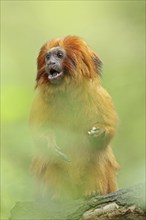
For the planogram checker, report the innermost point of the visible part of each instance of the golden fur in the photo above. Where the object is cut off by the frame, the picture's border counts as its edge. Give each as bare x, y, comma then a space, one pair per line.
62, 115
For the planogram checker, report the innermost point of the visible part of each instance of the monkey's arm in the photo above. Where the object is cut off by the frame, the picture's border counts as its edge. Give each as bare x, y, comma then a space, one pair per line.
43, 135
103, 130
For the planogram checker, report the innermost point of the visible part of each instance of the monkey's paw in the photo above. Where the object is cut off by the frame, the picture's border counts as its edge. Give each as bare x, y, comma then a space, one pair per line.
61, 154
96, 131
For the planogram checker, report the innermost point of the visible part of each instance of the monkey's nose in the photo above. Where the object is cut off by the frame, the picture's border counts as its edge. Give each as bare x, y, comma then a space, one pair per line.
52, 62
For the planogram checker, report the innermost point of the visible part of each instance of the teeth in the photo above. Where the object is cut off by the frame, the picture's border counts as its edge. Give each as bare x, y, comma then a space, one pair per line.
53, 75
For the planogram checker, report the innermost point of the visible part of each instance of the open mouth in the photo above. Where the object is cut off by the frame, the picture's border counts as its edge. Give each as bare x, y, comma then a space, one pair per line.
55, 75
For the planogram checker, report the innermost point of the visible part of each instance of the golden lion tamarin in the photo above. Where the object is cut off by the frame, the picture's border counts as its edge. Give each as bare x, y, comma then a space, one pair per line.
73, 121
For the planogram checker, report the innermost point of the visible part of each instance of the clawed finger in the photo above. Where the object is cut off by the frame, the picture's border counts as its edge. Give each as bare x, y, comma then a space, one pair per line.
95, 131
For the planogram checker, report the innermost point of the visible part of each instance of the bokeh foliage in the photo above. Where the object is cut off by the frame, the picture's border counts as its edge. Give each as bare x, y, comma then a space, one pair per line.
115, 30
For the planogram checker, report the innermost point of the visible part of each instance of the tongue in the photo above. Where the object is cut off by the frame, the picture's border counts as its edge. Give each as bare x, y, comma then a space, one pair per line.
54, 74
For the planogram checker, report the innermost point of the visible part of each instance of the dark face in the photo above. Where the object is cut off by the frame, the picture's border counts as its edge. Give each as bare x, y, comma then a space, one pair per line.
54, 64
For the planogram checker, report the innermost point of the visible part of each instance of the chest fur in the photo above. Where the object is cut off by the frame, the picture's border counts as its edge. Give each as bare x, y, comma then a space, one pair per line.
72, 112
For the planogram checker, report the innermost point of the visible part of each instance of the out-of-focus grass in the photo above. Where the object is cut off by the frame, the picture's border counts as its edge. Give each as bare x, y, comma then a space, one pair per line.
115, 30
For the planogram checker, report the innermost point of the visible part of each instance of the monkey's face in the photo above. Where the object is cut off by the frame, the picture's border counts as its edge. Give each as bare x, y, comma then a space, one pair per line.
54, 59
65, 61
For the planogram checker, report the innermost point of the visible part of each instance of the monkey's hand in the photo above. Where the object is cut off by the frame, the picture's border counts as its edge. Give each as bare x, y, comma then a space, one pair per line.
100, 135
46, 145
55, 150
60, 154
96, 132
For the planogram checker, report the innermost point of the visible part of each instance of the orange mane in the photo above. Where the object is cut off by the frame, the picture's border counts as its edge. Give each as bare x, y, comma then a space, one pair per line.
80, 59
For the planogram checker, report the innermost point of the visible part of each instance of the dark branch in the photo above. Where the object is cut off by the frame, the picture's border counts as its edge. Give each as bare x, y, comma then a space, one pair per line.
124, 204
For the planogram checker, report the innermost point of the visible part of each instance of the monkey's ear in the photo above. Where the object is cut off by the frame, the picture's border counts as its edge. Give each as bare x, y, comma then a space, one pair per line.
98, 64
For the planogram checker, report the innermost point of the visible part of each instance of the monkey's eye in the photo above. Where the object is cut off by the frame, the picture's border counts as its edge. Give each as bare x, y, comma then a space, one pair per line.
48, 56
60, 54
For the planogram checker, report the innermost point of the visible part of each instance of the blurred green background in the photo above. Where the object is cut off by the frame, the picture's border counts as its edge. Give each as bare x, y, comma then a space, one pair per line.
115, 30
